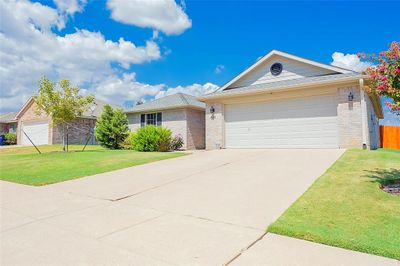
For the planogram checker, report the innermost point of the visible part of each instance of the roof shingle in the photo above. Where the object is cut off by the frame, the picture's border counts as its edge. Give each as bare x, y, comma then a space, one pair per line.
8, 117
178, 100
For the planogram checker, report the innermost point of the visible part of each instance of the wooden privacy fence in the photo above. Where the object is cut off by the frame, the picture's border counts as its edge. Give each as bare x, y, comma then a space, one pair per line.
390, 137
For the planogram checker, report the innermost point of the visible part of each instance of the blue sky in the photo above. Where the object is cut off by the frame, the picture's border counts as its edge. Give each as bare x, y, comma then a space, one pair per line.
203, 44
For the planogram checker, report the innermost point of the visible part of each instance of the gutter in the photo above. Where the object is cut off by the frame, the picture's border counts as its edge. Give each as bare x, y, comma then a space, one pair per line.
164, 108
263, 90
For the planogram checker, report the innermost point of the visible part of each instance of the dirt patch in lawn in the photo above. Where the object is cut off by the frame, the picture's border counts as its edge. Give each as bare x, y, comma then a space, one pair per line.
392, 188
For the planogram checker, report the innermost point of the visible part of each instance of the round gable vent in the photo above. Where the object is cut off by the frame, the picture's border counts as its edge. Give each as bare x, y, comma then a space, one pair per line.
276, 69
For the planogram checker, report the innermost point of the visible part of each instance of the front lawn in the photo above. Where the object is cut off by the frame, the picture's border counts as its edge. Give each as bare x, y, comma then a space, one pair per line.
346, 208
24, 165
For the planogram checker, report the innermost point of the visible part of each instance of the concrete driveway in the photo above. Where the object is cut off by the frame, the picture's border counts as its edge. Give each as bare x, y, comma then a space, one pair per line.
209, 208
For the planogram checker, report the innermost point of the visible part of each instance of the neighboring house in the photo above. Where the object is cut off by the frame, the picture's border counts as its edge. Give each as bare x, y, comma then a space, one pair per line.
284, 101
183, 114
40, 130
8, 123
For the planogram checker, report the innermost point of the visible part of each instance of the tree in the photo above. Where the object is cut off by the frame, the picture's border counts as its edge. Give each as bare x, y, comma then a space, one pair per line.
112, 128
385, 75
61, 101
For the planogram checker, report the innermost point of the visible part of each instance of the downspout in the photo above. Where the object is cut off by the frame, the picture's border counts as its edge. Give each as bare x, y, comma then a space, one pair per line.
364, 117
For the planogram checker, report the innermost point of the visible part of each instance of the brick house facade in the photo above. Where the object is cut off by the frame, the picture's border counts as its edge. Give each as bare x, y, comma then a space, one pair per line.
304, 104
181, 113
79, 130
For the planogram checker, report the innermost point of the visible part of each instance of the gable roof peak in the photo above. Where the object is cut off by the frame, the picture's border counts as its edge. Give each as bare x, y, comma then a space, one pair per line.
273, 52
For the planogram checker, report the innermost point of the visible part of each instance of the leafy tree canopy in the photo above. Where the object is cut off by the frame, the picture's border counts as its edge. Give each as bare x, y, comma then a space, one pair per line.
385, 75
60, 100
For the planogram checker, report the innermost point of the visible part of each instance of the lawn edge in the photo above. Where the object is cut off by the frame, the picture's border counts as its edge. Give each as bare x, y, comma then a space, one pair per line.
282, 230
308, 236
180, 154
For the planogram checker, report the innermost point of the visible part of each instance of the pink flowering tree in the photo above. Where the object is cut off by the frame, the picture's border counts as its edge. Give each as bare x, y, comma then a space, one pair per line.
385, 75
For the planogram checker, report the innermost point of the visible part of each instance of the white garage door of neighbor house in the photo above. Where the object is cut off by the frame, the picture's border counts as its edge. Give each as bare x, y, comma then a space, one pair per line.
38, 132
296, 123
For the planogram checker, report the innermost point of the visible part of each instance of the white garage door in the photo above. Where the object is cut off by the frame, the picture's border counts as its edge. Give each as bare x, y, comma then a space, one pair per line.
300, 123
38, 132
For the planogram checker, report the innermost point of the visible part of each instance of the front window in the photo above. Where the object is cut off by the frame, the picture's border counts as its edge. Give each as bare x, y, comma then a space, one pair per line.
154, 119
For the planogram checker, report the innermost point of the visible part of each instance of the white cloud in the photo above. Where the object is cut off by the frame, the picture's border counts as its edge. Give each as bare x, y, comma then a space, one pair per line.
29, 50
127, 89
163, 15
219, 68
70, 7
194, 89
349, 61
119, 90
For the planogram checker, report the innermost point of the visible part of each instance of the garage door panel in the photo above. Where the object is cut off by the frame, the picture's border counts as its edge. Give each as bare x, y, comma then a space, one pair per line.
280, 110
38, 132
301, 123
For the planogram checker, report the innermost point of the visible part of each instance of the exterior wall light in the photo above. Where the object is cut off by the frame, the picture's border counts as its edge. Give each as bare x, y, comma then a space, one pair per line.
212, 109
350, 97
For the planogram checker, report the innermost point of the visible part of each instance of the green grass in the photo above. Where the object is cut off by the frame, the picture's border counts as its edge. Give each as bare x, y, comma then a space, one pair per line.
346, 208
24, 165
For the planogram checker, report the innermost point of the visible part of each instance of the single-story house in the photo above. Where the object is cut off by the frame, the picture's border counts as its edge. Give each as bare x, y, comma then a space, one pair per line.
39, 129
183, 114
285, 101
8, 123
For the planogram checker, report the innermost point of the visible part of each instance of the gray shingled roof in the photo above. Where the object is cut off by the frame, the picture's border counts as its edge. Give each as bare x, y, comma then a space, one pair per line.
284, 84
8, 117
178, 100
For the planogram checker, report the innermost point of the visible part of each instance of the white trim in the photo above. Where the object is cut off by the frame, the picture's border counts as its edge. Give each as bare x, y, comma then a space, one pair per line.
233, 93
289, 56
146, 119
23, 107
364, 116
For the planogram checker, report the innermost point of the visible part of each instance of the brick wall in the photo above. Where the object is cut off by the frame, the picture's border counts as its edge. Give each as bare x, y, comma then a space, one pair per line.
214, 126
4, 127
195, 129
349, 118
175, 120
77, 131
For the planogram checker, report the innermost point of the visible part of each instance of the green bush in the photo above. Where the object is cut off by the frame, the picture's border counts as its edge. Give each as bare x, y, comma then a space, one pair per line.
164, 141
129, 142
176, 142
152, 138
112, 128
10, 138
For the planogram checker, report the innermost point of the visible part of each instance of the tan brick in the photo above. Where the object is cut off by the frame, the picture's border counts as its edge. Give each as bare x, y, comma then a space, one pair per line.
192, 132
214, 126
349, 118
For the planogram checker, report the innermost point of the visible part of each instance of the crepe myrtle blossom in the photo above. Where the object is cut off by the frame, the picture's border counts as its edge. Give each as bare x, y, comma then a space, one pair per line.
385, 75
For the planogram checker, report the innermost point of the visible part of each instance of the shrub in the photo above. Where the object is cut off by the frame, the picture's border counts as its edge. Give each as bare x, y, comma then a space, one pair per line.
129, 142
10, 138
164, 141
176, 142
152, 138
112, 128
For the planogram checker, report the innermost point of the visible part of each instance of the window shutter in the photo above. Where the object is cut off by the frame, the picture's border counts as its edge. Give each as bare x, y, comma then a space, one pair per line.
159, 119
142, 120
